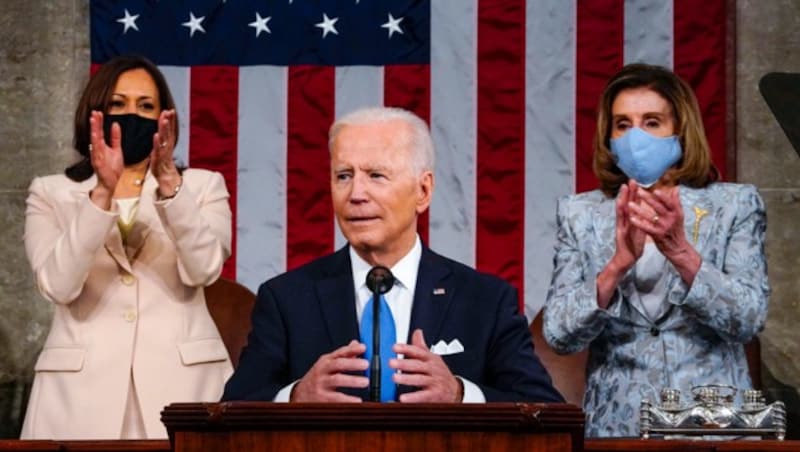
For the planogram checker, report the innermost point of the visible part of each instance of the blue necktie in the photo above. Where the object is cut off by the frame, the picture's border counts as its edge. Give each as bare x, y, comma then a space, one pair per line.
388, 338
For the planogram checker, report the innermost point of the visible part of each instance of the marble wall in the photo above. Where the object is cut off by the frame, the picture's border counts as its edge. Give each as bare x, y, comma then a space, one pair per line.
44, 64
768, 40
44, 60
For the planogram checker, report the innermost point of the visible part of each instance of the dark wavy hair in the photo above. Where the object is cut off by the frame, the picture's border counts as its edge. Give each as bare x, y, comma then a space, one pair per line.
97, 96
695, 167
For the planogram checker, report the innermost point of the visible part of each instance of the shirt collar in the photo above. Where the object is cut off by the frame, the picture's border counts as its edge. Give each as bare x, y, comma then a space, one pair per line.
404, 271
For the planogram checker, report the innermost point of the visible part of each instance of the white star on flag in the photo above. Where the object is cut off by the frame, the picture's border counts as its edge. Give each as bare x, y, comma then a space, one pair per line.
260, 24
327, 25
194, 24
128, 21
393, 25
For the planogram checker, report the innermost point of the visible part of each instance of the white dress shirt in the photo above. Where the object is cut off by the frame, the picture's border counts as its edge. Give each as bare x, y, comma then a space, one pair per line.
400, 300
401, 296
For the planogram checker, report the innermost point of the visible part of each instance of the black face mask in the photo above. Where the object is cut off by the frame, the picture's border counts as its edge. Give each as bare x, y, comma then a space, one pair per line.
137, 135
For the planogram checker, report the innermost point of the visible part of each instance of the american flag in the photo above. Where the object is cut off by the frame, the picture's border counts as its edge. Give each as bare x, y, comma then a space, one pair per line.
509, 87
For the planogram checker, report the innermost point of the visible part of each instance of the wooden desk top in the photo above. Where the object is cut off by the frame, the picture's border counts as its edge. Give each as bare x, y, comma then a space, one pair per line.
590, 445
86, 446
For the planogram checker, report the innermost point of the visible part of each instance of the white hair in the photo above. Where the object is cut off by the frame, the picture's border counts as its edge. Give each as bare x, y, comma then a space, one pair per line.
420, 140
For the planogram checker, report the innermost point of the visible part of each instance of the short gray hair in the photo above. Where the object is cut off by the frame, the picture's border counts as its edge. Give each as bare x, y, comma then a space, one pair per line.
421, 141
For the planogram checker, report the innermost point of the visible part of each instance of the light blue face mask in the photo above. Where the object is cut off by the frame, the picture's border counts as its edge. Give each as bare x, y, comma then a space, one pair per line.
644, 157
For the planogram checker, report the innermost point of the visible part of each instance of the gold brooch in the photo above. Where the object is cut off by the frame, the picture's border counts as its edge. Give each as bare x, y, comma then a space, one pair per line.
698, 215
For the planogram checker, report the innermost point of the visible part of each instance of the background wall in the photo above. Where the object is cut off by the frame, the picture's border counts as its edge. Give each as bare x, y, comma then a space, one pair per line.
768, 40
44, 63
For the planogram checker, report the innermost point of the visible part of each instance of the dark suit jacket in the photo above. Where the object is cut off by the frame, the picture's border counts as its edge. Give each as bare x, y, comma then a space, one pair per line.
310, 311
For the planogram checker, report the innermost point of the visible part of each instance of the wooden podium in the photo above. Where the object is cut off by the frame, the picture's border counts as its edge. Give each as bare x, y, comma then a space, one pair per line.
264, 426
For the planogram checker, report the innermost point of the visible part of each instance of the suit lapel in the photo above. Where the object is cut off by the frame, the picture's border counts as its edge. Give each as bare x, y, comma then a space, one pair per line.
336, 296
137, 236
604, 223
116, 249
432, 296
698, 216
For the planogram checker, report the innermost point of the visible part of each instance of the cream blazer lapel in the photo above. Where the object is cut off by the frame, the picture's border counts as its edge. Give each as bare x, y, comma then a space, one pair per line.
146, 219
137, 236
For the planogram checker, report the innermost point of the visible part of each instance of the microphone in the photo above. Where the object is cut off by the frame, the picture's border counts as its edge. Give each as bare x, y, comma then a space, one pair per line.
379, 281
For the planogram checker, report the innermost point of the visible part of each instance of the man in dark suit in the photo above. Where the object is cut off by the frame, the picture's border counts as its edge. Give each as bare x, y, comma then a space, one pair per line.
459, 336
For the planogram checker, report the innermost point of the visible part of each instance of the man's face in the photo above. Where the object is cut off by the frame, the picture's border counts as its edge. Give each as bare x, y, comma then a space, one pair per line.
376, 193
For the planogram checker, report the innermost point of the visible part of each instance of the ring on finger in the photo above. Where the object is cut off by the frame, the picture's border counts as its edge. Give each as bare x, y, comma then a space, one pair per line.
163, 144
655, 219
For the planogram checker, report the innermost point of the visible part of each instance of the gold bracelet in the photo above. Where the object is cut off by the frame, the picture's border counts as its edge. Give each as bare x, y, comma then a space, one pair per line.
175, 193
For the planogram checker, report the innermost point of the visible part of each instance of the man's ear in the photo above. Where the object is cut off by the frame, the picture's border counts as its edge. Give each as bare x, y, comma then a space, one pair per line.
424, 191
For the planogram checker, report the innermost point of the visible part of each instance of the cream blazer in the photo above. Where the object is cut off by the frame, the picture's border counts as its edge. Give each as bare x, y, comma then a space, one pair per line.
125, 312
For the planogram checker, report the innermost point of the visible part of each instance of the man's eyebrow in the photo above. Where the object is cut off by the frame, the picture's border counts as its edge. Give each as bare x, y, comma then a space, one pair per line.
376, 167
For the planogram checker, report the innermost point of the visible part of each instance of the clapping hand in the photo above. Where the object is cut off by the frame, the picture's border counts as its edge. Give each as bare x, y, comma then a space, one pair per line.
106, 160
660, 215
162, 163
629, 238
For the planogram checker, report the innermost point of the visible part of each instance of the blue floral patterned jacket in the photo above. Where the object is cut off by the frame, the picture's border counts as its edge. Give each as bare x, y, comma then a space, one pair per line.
697, 338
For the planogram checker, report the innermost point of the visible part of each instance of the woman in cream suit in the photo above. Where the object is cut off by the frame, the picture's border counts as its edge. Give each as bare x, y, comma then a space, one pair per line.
661, 273
123, 244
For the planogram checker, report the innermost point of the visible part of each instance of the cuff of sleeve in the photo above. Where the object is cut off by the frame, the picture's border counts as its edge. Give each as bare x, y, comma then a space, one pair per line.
93, 225
163, 201
285, 393
176, 212
472, 393
699, 294
614, 307
111, 213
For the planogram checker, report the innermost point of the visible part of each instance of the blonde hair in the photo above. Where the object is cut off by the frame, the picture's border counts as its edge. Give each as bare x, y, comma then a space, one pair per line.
695, 167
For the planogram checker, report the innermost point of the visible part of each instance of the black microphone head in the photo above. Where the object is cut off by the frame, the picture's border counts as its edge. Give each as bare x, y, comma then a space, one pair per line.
380, 279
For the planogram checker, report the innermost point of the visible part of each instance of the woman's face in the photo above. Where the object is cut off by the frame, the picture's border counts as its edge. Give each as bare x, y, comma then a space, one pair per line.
135, 92
644, 108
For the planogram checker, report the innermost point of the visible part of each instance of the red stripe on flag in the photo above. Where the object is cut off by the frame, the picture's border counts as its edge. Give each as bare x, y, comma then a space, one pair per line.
500, 140
700, 49
409, 87
309, 211
213, 111
600, 30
